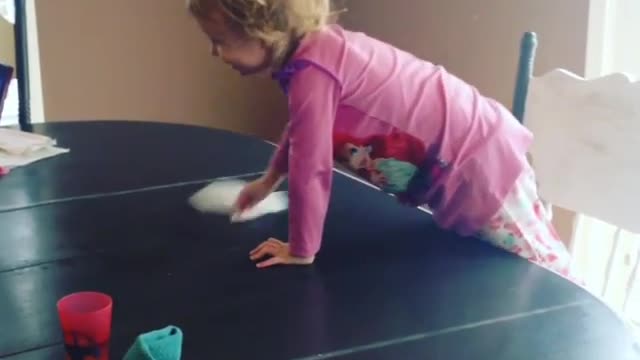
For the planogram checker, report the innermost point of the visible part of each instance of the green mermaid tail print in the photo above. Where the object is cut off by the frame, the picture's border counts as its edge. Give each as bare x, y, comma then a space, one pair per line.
391, 175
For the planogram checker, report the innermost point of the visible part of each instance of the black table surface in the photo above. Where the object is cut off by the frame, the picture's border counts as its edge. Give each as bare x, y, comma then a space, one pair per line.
112, 216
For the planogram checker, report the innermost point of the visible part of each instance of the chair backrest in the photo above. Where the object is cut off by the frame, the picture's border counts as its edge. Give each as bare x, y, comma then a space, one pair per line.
526, 61
6, 74
585, 150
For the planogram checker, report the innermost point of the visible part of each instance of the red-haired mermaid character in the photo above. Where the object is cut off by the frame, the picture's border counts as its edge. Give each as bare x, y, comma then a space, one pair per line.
388, 161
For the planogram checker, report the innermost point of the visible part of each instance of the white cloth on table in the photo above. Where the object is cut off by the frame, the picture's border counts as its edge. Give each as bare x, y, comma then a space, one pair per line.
18, 148
220, 196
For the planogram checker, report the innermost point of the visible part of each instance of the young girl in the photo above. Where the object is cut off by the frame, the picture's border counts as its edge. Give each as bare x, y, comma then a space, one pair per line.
402, 123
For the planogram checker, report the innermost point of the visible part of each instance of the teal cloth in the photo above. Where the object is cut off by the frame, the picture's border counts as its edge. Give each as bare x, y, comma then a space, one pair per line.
163, 344
398, 174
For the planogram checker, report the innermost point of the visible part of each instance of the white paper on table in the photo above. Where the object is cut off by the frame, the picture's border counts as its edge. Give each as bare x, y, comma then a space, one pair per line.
15, 142
219, 197
11, 161
585, 150
18, 148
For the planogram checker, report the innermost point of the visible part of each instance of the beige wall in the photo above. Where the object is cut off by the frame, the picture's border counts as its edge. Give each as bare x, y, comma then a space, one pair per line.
7, 48
480, 40
144, 60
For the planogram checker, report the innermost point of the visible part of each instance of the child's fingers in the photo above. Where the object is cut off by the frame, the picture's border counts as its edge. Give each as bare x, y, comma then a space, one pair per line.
275, 242
271, 242
267, 249
242, 203
270, 262
259, 247
254, 253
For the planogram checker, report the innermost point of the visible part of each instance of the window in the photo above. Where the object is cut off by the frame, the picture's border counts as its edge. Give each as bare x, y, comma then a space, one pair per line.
7, 10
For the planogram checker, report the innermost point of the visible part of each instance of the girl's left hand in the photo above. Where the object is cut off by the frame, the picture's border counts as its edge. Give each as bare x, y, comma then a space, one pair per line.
279, 252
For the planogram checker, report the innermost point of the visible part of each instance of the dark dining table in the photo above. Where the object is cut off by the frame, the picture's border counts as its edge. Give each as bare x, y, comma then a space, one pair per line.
112, 216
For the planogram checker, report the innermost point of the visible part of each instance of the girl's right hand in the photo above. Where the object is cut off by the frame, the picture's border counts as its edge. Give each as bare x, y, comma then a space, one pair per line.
252, 194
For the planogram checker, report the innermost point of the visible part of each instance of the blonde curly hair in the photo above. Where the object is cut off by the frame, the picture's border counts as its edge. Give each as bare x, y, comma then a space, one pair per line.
275, 22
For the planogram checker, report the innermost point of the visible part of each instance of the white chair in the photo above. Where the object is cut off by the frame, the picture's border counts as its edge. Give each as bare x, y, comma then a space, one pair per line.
586, 154
587, 144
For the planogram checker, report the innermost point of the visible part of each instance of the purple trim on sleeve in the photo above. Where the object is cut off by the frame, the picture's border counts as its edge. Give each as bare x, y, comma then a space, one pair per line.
284, 75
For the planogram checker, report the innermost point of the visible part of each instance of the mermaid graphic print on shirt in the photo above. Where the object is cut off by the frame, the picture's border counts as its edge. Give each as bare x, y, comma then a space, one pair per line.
395, 162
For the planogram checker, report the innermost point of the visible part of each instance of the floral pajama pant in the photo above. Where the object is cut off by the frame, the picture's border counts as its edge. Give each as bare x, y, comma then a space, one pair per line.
522, 226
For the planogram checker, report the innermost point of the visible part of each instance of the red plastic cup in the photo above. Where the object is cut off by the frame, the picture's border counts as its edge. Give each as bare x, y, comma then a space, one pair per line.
85, 318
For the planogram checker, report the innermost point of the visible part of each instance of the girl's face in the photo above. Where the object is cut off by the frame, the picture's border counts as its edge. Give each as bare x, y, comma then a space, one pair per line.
246, 55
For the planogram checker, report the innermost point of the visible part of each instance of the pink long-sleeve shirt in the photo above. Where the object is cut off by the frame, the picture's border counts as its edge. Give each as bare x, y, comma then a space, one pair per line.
401, 123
